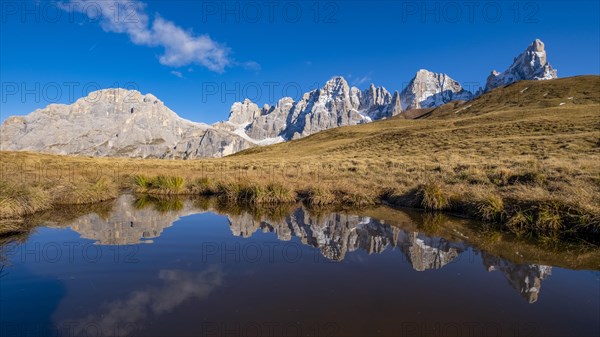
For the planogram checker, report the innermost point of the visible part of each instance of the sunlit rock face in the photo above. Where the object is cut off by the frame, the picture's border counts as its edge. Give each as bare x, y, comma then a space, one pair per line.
428, 90
532, 64
116, 123
337, 104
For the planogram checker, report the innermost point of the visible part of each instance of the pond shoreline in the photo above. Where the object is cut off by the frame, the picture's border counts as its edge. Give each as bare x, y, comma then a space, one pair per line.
576, 254
543, 220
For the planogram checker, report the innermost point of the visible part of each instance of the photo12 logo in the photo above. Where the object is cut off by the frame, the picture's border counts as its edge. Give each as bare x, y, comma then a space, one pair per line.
271, 12
269, 91
68, 252
428, 12
59, 92
116, 11
130, 11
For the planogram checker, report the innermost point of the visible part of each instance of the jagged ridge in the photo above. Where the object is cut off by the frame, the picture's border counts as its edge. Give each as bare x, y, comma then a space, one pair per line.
124, 123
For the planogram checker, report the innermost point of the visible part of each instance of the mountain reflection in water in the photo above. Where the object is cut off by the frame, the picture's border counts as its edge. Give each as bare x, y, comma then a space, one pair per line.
136, 221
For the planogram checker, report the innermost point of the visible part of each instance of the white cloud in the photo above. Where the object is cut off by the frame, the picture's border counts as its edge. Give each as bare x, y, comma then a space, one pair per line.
181, 47
251, 65
177, 73
358, 80
361, 80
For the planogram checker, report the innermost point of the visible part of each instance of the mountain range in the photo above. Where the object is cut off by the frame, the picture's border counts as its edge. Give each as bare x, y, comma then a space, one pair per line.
127, 123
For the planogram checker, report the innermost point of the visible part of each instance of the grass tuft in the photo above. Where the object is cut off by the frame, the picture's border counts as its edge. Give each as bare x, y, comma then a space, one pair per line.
279, 193
16, 201
489, 207
203, 186
85, 192
319, 196
142, 182
433, 196
161, 184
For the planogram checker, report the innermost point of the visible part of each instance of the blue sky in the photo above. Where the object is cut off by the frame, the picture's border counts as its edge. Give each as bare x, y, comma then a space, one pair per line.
199, 57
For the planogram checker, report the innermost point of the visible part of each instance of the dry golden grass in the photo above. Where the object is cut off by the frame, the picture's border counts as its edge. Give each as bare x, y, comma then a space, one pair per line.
515, 157
16, 201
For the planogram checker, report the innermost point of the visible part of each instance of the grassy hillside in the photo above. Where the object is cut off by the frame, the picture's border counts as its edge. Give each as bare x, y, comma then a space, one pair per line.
527, 115
525, 157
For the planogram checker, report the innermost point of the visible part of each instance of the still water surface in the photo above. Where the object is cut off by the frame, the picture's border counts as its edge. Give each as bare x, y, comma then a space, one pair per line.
193, 268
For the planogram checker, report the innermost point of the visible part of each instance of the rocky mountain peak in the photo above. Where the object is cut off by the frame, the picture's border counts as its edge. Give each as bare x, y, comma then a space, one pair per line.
284, 101
243, 112
336, 80
338, 104
374, 103
117, 123
378, 95
428, 89
424, 73
336, 86
537, 46
532, 64
119, 95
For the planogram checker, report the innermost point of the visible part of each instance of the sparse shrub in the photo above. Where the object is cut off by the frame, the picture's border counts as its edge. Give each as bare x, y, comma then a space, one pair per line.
520, 222
204, 186
84, 192
142, 183
168, 184
279, 193
548, 219
489, 207
251, 193
319, 196
254, 193
11, 207
159, 185
17, 201
433, 196
228, 190
353, 197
